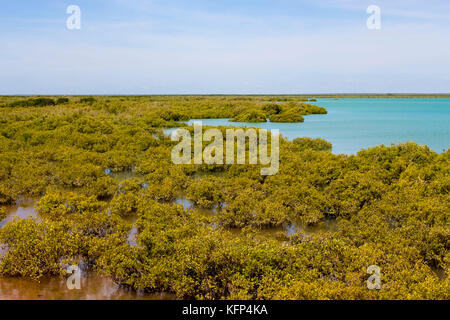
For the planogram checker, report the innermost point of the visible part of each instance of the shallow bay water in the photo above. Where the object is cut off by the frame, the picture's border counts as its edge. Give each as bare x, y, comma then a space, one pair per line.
355, 124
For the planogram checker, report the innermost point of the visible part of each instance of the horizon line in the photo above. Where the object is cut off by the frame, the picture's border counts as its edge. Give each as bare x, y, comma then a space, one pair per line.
225, 94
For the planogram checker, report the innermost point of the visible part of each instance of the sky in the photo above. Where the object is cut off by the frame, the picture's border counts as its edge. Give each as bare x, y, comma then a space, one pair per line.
226, 46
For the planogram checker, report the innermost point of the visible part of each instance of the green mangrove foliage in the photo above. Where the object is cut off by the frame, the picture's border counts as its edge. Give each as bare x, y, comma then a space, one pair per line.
250, 116
2, 213
308, 143
279, 112
74, 228
95, 165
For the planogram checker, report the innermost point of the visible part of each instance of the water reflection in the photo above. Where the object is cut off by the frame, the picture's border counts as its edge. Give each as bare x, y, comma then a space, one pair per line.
132, 234
25, 209
327, 225
185, 202
189, 205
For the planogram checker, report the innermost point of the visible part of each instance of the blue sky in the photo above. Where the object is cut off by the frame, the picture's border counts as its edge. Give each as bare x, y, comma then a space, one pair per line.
227, 46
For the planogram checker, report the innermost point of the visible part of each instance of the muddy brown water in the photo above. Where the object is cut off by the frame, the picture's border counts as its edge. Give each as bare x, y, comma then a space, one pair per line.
92, 287
24, 210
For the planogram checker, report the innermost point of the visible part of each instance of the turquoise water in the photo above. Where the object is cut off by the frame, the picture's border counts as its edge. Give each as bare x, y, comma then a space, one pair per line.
355, 124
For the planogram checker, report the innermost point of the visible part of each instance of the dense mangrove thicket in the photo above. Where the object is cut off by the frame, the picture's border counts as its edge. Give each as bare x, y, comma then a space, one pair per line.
279, 112
99, 165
